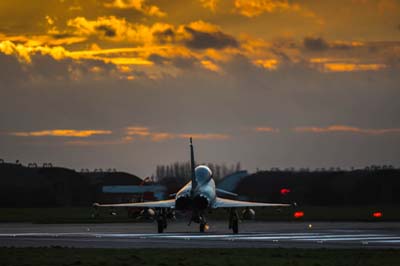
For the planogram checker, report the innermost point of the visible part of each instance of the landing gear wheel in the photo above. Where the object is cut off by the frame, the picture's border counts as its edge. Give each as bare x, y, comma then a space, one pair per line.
202, 227
235, 226
233, 221
160, 226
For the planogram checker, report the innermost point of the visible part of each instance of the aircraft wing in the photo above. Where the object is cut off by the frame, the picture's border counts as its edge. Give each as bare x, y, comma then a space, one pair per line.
150, 204
227, 203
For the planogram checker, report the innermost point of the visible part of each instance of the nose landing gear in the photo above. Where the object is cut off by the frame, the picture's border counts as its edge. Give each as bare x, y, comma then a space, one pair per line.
199, 218
203, 224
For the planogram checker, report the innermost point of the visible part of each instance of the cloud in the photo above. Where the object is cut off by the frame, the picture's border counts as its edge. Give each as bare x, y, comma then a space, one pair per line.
139, 5
196, 35
267, 129
111, 28
315, 44
146, 133
253, 8
346, 129
107, 30
319, 44
129, 134
52, 39
204, 136
204, 40
270, 64
94, 143
349, 67
207, 64
210, 4
62, 133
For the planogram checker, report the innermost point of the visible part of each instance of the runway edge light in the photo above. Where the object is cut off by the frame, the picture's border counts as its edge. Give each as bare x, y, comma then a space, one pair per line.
298, 214
377, 214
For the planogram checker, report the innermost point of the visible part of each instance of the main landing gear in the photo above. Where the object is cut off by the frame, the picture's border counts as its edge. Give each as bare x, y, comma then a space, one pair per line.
161, 220
233, 221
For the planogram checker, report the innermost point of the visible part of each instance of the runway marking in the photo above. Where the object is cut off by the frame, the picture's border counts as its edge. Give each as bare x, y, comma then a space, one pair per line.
268, 237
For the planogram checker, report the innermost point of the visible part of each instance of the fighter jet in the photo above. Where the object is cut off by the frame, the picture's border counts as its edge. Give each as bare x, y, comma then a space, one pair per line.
198, 196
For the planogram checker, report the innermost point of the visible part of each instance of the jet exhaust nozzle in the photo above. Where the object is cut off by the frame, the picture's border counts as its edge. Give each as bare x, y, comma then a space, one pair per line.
200, 202
183, 203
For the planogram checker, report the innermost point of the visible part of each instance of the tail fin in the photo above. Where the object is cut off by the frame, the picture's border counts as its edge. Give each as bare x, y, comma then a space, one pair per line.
192, 166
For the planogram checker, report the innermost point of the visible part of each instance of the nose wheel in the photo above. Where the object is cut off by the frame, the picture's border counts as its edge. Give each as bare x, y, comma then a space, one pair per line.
203, 224
203, 227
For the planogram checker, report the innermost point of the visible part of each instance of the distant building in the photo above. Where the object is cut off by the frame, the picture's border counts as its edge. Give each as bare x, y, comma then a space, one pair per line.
137, 193
119, 187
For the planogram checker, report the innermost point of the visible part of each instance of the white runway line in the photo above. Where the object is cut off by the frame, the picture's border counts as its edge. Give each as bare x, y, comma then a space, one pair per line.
305, 237
293, 237
387, 241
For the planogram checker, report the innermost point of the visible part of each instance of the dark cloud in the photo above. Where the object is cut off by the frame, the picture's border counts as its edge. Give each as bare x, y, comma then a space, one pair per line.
62, 35
157, 59
315, 44
204, 40
11, 70
320, 44
165, 36
184, 62
107, 30
198, 39
179, 61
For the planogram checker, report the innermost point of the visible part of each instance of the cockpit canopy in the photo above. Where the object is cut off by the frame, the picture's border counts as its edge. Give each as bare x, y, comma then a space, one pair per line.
202, 173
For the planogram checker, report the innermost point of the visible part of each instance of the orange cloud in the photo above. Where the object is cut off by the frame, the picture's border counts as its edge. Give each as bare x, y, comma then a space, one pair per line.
139, 5
124, 140
270, 64
351, 67
145, 133
205, 136
267, 129
139, 131
254, 8
210, 4
344, 128
331, 64
210, 65
51, 39
62, 133
159, 39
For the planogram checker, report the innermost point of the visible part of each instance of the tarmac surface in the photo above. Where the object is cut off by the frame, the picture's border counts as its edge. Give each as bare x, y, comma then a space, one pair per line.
381, 235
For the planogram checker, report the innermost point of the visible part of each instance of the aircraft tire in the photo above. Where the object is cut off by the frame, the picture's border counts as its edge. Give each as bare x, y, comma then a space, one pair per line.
235, 226
160, 226
202, 227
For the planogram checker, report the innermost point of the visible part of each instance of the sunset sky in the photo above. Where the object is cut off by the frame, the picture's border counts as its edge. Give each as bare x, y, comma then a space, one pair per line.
270, 83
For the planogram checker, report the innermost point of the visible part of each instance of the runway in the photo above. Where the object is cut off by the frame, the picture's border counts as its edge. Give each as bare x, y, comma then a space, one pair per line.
178, 235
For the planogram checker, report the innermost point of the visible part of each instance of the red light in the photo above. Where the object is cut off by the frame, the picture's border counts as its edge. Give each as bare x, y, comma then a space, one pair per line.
377, 214
285, 191
298, 214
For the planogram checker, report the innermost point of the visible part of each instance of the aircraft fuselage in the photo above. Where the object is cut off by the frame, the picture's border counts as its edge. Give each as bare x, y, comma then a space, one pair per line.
202, 196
